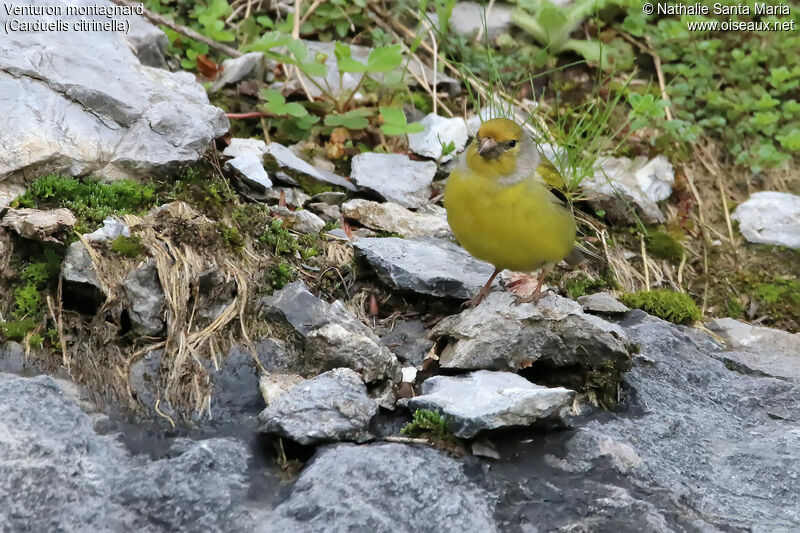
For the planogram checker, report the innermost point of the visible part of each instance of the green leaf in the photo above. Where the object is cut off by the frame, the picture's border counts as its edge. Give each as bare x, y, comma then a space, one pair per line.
790, 141
272, 95
385, 58
344, 59
352, 120
295, 109
268, 41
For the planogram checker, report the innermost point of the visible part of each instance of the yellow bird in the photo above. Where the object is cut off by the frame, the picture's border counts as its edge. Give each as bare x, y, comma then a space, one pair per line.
500, 205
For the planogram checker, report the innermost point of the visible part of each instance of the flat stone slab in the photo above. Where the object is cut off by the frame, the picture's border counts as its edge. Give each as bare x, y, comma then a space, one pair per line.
394, 177
485, 400
770, 217
432, 266
292, 169
602, 302
333, 406
395, 218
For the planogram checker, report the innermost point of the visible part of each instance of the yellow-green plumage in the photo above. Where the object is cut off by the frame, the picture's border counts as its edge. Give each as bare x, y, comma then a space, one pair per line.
505, 214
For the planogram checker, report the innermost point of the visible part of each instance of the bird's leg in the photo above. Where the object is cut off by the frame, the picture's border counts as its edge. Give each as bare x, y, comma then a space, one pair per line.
538, 294
484, 292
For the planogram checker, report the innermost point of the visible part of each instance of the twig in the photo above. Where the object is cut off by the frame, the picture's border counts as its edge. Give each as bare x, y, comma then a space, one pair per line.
252, 114
311, 9
406, 440
644, 262
680, 272
155, 18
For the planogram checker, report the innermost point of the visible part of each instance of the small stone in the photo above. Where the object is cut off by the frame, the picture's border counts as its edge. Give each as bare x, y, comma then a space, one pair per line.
327, 212
333, 406
395, 218
770, 217
293, 196
291, 168
486, 400
623, 183
409, 374
394, 177
9, 192
82, 290
273, 385
439, 131
239, 147
236, 69
147, 301
301, 220
248, 168
111, 229
602, 302
432, 266
485, 448
329, 197
35, 224
148, 42
469, 17
408, 339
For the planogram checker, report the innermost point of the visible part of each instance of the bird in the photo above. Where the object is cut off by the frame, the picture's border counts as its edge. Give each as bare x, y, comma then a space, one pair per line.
505, 205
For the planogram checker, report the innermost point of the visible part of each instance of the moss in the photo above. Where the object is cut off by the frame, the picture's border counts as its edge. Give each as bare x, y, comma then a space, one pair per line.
664, 245
279, 274
16, 330
676, 307
582, 284
231, 236
430, 425
128, 246
91, 201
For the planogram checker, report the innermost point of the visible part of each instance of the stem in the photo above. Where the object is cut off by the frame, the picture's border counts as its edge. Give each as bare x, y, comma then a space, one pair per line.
252, 114
358, 86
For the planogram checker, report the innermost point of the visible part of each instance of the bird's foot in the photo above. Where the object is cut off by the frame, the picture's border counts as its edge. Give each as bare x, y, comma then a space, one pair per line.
484, 292
533, 298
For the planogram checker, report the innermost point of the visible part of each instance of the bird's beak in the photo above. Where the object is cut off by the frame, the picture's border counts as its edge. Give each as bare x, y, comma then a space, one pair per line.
488, 148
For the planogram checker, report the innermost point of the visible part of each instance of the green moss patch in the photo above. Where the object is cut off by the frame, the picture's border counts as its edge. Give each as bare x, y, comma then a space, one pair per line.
664, 245
430, 425
676, 307
128, 246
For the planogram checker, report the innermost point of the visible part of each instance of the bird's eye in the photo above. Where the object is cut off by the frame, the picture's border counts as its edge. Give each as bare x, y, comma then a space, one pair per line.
512, 143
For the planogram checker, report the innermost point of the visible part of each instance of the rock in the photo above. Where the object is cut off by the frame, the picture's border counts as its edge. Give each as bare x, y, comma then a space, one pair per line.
499, 335
53, 225
329, 336
145, 382
8, 193
469, 17
333, 406
147, 302
407, 338
12, 358
57, 470
125, 119
603, 303
249, 170
239, 147
384, 487
623, 183
214, 294
757, 350
435, 267
111, 229
234, 70
148, 42
484, 400
770, 217
439, 131
235, 387
394, 177
293, 170
293, 196
82, 290
327, 212
273, 385
394, 218
329, 197
301, 220
485, 448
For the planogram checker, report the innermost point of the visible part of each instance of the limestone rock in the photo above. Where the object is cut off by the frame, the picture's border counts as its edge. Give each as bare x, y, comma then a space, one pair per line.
236, 69
394, 177
485, 400
603, 303
291, 169
46, 226
438, 131
333, 406
468, 17
770, 217
147, 302
274, 384
395, 218
250, 171
301, 220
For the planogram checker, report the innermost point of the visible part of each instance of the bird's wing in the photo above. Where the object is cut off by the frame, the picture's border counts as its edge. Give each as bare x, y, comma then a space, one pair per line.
553, 180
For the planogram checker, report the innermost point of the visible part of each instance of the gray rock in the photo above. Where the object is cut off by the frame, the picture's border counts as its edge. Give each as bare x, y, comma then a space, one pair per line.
214, 294
240, 147
147, 301
435, 267
499, 335
407, 338
148, 42
394, 177
293, 196
439, 131
236, 69
329, 336
602, 302
273, 385
770, 217
484, 400
125, 119
757, 350
301, 220
382, 488
58, 473
622, 184
329, 197
395, 218
333, 406
9, 192
248, 169
144, 380
235, 393
12, 358
291, 169
327, 212
468, 17
111, 229
78, 268
47, 226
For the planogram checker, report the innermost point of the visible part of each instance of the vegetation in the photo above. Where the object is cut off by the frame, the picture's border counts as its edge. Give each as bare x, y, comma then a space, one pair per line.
676, 307
128, 246
430, 425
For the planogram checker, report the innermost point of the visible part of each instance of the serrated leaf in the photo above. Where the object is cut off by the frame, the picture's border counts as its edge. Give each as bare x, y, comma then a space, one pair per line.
385, 58
295, 109
272, 95
344, 59
298, 49
393, 116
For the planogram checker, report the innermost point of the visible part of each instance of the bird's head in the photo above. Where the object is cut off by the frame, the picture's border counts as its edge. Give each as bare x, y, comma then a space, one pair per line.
497, 147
